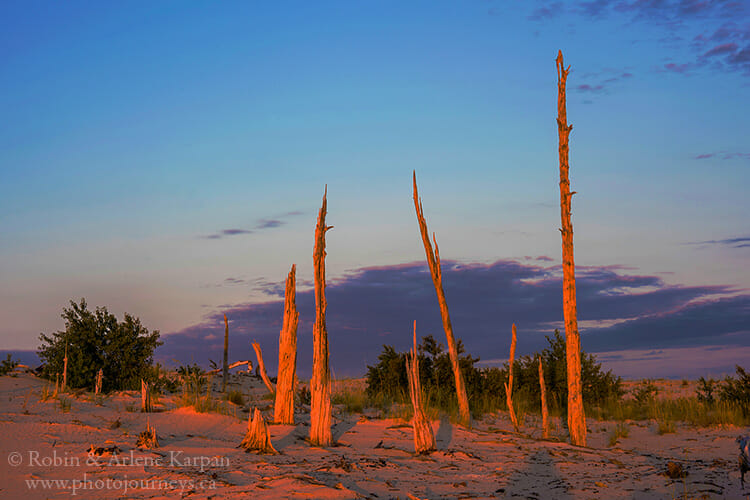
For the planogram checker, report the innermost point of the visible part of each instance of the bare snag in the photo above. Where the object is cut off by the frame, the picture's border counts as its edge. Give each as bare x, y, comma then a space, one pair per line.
576, 415
320, 383
262, 368
509, 383
284, 405
433, 260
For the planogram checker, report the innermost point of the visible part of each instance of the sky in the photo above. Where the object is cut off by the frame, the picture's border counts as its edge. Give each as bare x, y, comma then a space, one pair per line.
167, 159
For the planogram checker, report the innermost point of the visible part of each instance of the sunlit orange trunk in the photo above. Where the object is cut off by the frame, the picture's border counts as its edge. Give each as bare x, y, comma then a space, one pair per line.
576, 416
320, 384
545, 412
433, 259
257, 437
262, 368
225, 366
284, 407
424, 439
509, 384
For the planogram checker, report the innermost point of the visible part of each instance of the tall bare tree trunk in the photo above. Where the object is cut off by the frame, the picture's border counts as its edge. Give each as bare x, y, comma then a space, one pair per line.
257, 437
424, 439
433, 260
65, 367
225, 369
320, 384
262, 368
576, 415
285, 381
545, 412
509, 384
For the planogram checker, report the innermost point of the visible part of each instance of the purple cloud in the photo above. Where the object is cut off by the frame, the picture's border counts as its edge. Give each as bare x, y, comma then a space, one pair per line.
374, 306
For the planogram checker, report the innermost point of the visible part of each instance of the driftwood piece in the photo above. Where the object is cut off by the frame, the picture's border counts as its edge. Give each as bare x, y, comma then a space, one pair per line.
424, 439
433, 260
234, 365
509, 383
145, 397
545, 412
98, 383
262, 368
225, 366
147, 439
257, 437
320, 383
576, 415
287, 373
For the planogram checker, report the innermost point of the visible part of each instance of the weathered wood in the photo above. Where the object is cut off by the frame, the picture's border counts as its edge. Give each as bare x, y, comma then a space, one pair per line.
424, 439
545, 412
234, 365
320, 384
509, 383
433, 260
148, 439
576, 415
257, 437
287, 374
65, 368
262, 368
98, 383
225, 366
145, 397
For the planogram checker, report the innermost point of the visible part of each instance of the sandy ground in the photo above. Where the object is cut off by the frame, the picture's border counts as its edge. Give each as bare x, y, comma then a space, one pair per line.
44, 455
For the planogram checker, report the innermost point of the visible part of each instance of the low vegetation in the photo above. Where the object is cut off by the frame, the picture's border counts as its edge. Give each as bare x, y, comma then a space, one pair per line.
7, 365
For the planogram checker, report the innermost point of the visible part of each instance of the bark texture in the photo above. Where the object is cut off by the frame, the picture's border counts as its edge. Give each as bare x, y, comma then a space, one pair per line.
257, 437
145, 397
433, 260
225, 366
320, 384
262, 368
545, 412
509, 384
424, 439
284, 407
576, 415
98, 384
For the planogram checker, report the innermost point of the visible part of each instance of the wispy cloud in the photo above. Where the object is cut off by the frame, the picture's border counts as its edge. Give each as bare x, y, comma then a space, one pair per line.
741, 242
549, 11
260, 225
602, 85
618, 309
723, 155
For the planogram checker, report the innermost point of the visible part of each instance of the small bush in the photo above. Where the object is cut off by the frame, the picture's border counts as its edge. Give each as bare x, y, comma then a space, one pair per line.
7, 365
705, 390
235, 397
645, 392
737, 391
665, 426
621, 430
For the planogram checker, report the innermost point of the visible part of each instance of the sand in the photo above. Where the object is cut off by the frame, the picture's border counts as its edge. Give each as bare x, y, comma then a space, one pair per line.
45, 455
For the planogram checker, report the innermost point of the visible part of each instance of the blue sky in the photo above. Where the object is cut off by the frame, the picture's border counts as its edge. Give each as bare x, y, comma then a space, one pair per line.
168, 159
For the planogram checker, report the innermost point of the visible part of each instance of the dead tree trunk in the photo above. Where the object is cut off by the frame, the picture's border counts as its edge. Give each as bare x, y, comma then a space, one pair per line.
433, 260
424, 439
262, 368
509, 384
545, 413
225, 369
145, 397
285, 381
65, 368
320, 384
98, 384
576, 415
257, 437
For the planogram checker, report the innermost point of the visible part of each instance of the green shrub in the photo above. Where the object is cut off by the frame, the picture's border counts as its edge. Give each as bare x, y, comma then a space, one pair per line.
95, 339
737, 391
235, 397
705, 390
645, 392
7, 365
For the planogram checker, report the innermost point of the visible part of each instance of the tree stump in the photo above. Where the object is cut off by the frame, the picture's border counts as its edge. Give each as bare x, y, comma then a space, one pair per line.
257, 437
286, 378
424, 439
147, 439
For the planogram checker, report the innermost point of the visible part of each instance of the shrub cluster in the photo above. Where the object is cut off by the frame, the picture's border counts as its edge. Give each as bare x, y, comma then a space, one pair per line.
387, 380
